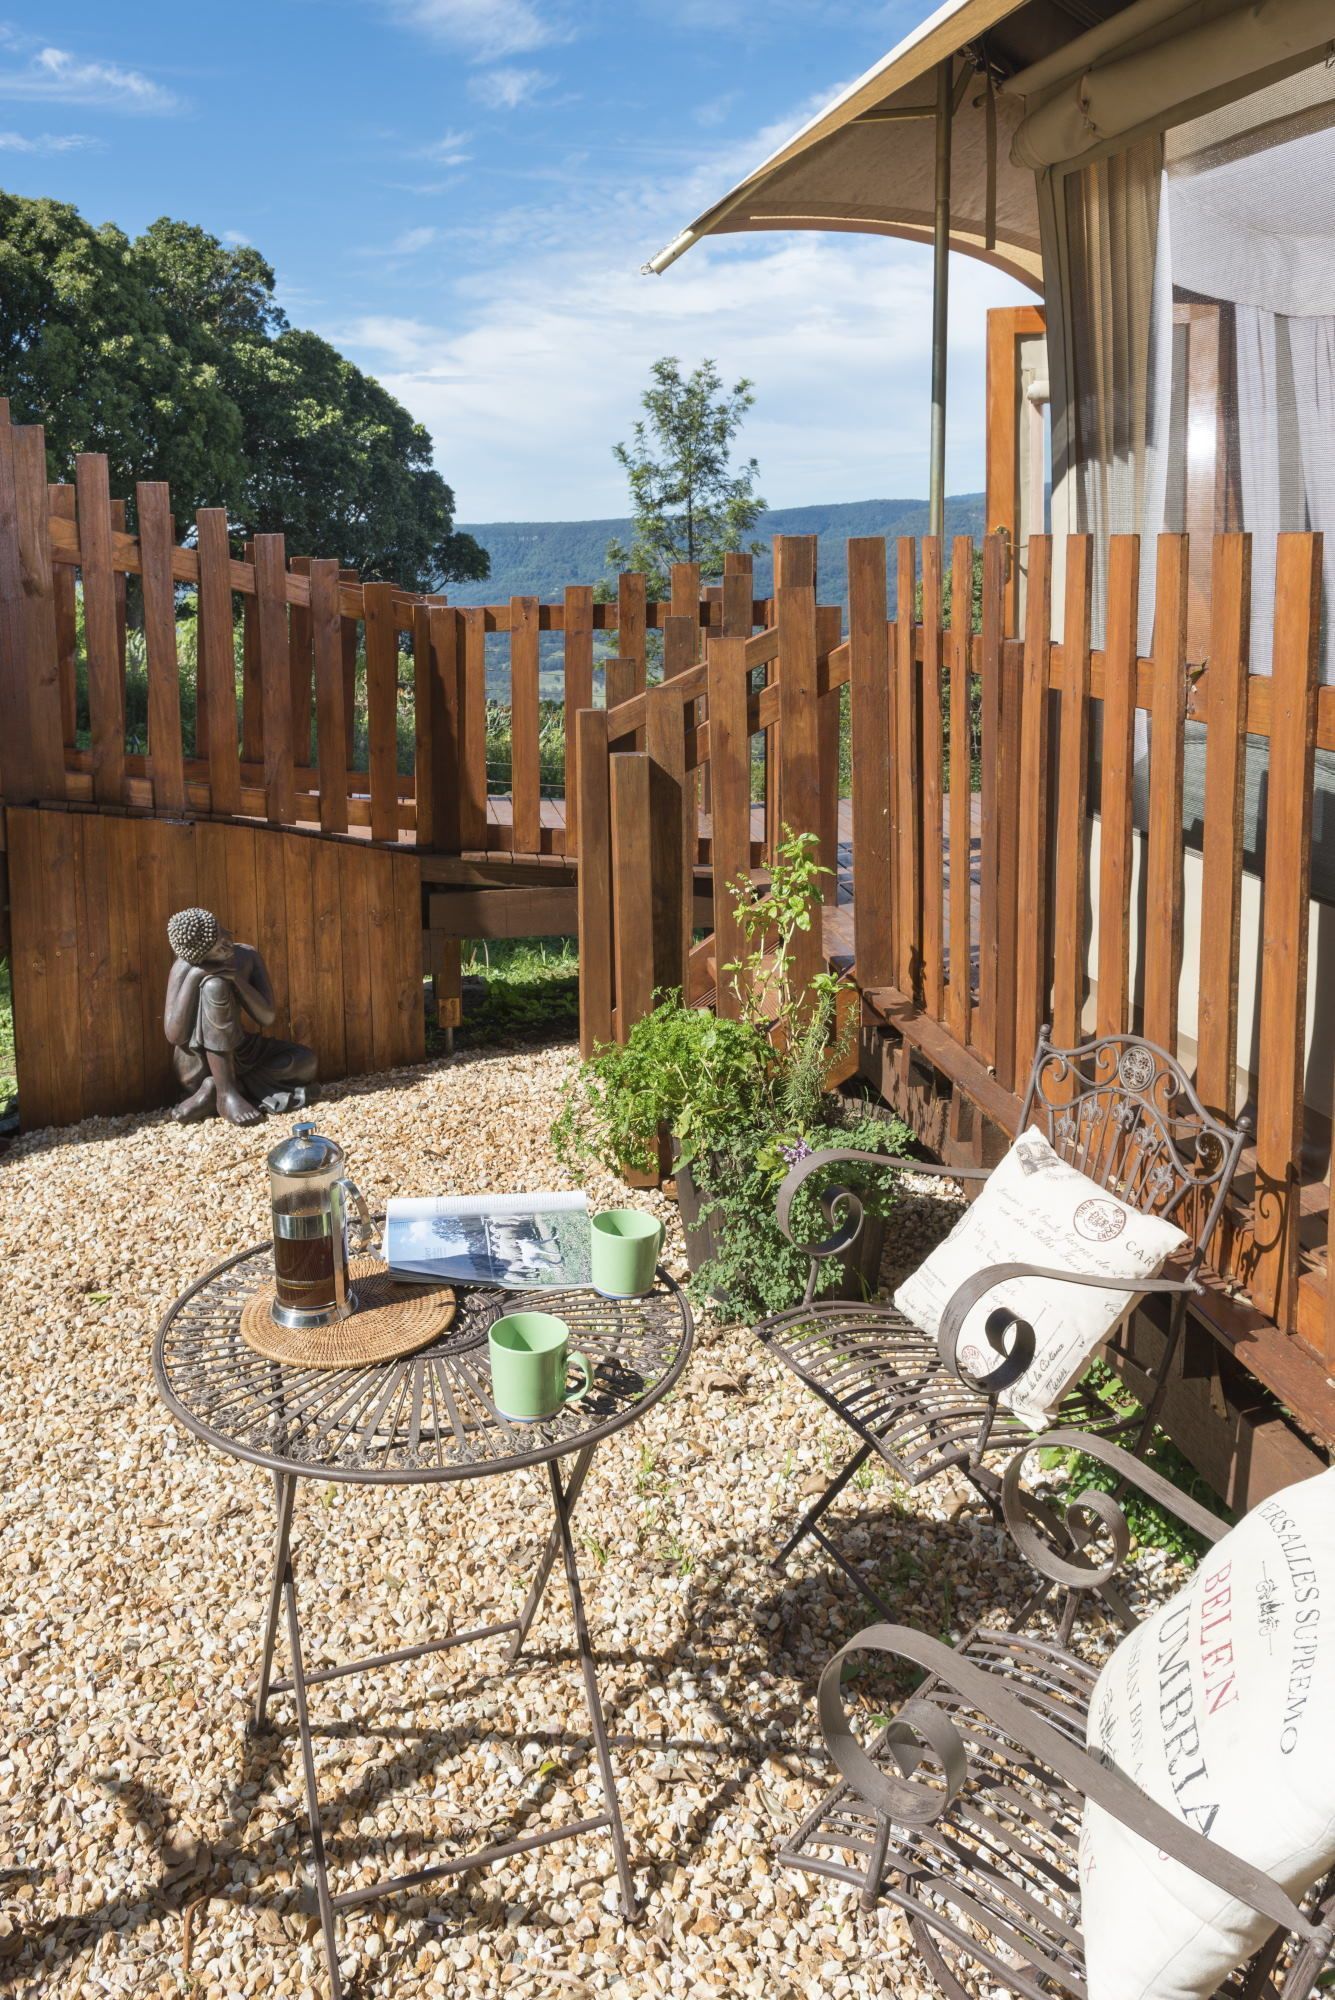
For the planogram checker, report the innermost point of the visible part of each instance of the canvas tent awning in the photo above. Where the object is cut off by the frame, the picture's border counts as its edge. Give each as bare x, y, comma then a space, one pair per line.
867, 162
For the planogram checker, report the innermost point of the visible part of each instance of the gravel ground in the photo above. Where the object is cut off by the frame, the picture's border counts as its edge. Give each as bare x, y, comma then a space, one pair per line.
147, 1847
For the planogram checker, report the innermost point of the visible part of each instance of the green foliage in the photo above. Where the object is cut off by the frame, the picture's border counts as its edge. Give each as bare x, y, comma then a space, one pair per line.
532, 992
744, 1099
689, 503
168, 353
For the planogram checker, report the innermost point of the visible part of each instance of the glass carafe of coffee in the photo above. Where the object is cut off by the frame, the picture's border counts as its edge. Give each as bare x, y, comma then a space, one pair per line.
311, 1196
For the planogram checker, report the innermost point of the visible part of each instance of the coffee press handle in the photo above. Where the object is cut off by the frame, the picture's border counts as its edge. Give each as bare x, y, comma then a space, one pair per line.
363, 1224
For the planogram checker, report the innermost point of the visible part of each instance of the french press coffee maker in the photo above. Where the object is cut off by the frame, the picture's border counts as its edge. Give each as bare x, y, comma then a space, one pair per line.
310, 1194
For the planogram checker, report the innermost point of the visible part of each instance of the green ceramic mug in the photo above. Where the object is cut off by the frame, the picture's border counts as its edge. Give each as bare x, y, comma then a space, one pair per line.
530, 1356
624, 1257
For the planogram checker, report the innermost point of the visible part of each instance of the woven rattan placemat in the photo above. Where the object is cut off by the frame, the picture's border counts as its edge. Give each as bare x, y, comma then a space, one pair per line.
391, 1319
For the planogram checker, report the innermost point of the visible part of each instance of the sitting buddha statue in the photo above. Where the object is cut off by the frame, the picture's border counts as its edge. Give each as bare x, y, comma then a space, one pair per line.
224, 1066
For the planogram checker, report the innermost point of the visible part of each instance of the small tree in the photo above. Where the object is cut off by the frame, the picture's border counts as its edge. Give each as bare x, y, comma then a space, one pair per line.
690, 503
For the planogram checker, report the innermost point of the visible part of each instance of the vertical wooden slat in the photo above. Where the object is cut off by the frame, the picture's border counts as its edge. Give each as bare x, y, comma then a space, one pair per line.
632, 624
166, 762
381, 923
681, 644
37, 614
252, 694
578, 691
382, 709
933, 855
330, 693
681, 648
473, 726
685, 586
328, 1030
960, 652
216, 694
525, 790
1113, 999
302, 663
829, 634
869, 702
276, 680
672, 851
1163, 853
1225, 707
298, 858
1070, 886
409, 988
1284, 923
61, 500
348, 643
1008, 1056
632, 909
908, 780
106, 686
424, 728
799, 751
443, 634
994, 585
594, 894
1031, 896
730, 767
619, 687
119, 583
359, 1042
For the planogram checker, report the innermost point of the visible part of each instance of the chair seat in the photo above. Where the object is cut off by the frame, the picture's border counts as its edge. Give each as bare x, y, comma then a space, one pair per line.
885, 1378
991, 1889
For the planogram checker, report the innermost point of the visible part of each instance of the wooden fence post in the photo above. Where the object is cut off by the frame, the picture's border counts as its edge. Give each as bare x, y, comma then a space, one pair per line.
61, 499
1163, 854
730, 827
106, 684
578, 693
1225, 696
1031, 887
1116, 780
671, 847
215, 693
933, 750
1071, 883
961, 789
302, 662
156, 535
525, 786
869, 703
799, 746
275, 679
473, 731
907, 780
331, 719
382, 708
1284, 923
32, 755
594, 895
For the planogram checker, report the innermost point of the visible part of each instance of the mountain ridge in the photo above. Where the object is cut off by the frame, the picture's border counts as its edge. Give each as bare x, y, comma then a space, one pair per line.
538, 558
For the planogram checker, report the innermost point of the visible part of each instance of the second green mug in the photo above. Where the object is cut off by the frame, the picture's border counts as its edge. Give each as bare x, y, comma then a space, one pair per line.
530, 1357
624, 1256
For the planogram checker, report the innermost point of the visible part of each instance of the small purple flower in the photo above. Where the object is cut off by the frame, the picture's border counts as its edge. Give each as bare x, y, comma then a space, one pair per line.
799, 1150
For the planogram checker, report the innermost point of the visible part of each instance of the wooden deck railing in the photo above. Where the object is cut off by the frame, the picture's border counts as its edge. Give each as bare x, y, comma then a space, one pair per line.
983, 904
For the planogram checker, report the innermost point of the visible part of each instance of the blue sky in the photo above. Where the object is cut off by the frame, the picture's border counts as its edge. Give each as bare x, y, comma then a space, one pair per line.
460, 194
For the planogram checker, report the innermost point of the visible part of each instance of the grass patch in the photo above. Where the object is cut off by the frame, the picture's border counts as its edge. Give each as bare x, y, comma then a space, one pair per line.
532, 993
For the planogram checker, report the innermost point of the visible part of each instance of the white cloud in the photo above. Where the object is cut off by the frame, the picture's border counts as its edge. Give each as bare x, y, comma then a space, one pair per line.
450, 150
412, 240
507, 88
57, 77
486, 29
537, 366
236, 238
715, 109
47, 142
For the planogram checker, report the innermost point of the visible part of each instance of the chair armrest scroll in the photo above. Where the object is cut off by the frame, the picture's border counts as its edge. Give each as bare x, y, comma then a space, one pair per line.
1104, 1784
837, 1199
1106, 1507
1017, 1358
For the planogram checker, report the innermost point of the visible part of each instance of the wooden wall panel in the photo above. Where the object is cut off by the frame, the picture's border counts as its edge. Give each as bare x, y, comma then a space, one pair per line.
339, 924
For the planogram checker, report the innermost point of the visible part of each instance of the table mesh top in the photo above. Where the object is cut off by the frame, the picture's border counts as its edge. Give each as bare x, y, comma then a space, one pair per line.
423, 1416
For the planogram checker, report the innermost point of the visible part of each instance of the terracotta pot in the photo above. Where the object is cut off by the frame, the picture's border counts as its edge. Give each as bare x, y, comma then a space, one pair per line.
861, 1266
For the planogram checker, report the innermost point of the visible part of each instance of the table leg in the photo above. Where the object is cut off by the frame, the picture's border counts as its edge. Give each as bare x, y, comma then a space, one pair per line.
561, 1501
549, 1555
285, 1489
318, 1864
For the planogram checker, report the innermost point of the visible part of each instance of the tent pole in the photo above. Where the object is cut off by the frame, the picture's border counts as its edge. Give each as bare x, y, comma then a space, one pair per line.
936, 504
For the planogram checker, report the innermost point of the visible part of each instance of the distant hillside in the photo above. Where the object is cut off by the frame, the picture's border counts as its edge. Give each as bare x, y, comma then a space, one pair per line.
538, 558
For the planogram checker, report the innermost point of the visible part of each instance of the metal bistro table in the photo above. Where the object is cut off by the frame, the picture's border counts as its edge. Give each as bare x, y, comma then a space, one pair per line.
426, 1418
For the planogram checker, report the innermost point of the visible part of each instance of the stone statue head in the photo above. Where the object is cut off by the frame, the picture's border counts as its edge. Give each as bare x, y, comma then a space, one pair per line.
195, 935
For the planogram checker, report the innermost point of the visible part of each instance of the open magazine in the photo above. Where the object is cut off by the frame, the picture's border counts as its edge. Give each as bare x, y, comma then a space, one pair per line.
521, 1242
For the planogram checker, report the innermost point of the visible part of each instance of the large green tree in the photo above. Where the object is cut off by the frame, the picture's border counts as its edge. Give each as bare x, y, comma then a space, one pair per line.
689, 501
170, 353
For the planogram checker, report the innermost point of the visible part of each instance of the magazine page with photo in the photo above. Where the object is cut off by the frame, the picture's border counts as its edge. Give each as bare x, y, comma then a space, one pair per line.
525, 1242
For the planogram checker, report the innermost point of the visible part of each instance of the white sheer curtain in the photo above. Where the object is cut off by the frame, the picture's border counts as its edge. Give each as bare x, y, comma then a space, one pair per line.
1312, 353
1259, 465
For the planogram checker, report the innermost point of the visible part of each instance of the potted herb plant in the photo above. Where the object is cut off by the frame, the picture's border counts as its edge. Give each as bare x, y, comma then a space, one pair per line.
744, 1099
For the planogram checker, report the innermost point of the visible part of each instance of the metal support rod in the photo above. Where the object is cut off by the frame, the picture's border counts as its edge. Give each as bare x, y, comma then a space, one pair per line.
549, 1555
561, 1502
936, 501
319, 1866
285, 1490
813, 1514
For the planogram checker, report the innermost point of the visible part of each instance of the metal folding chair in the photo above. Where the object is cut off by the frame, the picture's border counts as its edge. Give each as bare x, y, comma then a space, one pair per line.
965, 1808
1123, 1112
